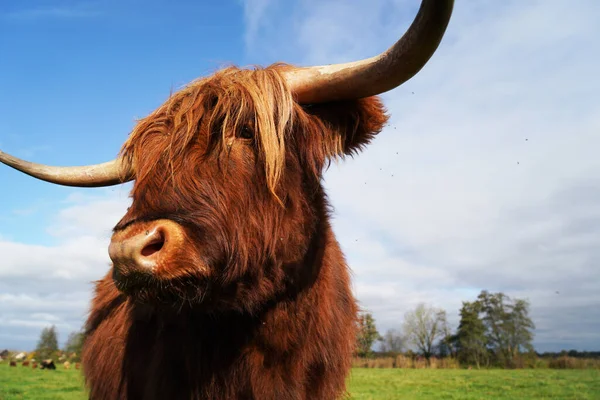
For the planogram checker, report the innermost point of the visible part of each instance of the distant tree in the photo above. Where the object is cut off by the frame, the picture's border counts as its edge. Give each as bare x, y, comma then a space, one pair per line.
392, 342
47, 346
446, 346
423, 327
509, 329
74, 345
367, 335
470, 339
519, 328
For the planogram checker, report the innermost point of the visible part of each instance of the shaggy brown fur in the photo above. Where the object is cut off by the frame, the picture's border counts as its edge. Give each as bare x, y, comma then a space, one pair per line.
258, 305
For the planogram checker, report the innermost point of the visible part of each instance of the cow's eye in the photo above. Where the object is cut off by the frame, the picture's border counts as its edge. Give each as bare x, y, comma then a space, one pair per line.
246, 133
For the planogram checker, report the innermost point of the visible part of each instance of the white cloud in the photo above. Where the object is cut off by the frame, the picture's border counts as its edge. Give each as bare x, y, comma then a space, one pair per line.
254, 12
485, 176
52, 285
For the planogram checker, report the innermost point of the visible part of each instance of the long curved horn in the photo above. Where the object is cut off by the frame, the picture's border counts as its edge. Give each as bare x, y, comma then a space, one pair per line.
107, 174
377, 74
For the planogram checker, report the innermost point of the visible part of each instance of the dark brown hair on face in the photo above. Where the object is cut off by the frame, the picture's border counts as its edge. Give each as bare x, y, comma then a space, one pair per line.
237, 162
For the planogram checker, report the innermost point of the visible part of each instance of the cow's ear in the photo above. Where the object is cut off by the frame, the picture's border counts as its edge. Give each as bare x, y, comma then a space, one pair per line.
341, 128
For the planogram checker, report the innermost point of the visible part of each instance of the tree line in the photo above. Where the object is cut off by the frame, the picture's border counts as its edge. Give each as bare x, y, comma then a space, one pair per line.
494, 330
47, 346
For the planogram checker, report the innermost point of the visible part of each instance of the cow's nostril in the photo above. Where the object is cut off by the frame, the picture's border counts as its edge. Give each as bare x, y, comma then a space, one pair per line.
143, 247
153, 247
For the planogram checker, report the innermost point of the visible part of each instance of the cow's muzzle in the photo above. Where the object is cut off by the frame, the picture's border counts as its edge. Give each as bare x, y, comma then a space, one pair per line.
144, 248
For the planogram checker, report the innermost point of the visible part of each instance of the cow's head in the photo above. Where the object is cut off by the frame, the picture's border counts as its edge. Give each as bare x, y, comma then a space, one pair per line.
227, 195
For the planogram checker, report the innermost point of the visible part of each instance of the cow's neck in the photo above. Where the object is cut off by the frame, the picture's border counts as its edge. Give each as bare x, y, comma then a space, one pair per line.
193, 347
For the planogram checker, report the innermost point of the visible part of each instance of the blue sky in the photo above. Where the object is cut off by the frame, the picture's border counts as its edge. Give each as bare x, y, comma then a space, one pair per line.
76, 74
486, 177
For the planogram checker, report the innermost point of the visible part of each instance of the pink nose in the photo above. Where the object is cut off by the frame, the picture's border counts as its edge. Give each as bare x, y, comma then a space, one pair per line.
143, 246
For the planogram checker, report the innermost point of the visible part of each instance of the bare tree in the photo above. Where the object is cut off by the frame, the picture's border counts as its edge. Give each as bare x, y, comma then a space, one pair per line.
423, 326
74, 345
392, 342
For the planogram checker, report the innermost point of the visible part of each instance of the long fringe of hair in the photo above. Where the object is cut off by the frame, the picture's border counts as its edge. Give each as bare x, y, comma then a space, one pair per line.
227, 101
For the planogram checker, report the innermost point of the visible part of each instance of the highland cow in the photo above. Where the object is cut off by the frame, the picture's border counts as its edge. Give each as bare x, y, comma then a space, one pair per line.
227, 280
47, 364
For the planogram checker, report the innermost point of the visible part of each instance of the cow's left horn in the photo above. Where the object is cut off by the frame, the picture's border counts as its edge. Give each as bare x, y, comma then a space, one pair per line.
377, 74
107, 174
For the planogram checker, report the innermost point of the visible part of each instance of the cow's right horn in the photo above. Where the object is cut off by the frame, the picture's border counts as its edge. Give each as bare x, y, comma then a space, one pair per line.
107, 174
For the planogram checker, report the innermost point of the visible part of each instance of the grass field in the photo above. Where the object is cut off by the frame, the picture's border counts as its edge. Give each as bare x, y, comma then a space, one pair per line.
364, 384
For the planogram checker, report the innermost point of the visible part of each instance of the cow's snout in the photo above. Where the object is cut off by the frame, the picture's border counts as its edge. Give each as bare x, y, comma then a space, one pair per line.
143, 247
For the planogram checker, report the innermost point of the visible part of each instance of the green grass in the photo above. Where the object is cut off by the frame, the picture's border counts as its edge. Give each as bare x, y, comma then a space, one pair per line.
364, 384
388, 384
36, 384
